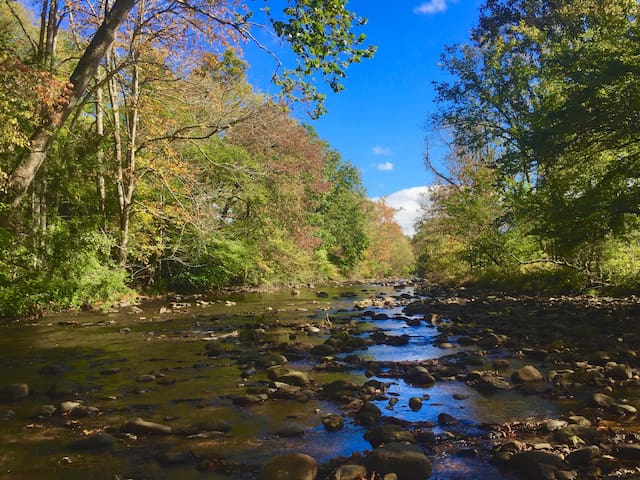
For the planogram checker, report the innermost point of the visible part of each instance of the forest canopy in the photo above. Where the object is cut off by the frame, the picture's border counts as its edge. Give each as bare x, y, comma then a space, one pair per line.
542, 116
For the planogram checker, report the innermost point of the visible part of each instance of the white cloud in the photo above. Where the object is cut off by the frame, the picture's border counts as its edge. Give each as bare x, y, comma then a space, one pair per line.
382, 151
431, 7
385, 167
407, 205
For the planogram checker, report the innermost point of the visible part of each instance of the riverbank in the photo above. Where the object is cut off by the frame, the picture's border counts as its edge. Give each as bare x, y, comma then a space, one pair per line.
491, 386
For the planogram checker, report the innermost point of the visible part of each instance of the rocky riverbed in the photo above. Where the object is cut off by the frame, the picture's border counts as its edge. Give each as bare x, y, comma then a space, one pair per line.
363, 381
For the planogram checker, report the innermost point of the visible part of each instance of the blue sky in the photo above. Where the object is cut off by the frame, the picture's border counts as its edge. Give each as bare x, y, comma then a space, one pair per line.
378, 122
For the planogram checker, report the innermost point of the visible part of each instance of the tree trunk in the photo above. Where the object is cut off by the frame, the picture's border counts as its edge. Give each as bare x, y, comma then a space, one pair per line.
100, 186
22, 176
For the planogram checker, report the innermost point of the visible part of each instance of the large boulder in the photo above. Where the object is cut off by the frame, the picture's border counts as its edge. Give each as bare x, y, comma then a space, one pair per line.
293, 466
407, 461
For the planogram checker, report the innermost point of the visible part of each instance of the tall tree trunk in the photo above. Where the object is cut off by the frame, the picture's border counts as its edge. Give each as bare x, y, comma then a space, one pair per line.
19, 180
100, 185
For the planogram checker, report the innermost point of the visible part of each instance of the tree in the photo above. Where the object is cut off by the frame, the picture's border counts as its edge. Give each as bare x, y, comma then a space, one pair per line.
320, 34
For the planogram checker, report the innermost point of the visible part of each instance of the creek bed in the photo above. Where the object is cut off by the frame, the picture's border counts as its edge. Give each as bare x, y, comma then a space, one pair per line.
99, 358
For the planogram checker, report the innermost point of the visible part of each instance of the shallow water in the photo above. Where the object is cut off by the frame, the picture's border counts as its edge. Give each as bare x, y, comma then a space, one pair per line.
82, 345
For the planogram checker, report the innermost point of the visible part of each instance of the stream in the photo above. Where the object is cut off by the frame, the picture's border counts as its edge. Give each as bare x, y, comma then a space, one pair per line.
138, 362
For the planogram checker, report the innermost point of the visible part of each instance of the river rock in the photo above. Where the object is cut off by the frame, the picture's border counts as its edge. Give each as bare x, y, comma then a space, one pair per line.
349, 472
583, 456
536, 465
407, 461
386, 434
629, 451
415, 403
13, 392
138, 426
445, 419
295, 377
99, 441
420, 376
369, 414
618, 371
270, 359
527, 374
294, 466
249, 399
601, 400
501, 364
332, 422
340, 390
489, 383
623, 409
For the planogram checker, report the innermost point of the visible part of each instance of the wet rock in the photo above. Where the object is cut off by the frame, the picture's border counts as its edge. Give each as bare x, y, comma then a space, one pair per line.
248, 399
623, 409
415, 403
407, 461
419, 376
583, 456
138, 426
618, 371
295, 377
630, 451
44, 411
536, 465
501, 364
294, 466
491, 340
13, 392
209, 426
460, 396
349, 472
340, 390
322, 350
83, 411
146, 378
489, 383
445, 419
572, 433
601, 400
277, 371
384, 434
369, 414
527, 374
412, 322
270, 359
110, 371
333, 422
426, 437
553, 425
99, 441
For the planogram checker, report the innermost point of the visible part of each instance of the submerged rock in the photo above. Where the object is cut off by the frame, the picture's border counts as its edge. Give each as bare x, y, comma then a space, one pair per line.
99, 441
294, 466
139, 426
